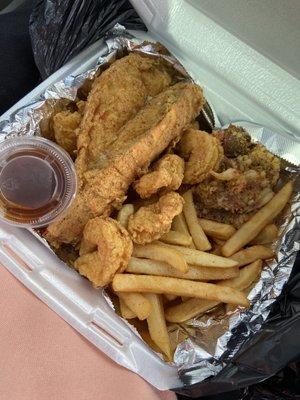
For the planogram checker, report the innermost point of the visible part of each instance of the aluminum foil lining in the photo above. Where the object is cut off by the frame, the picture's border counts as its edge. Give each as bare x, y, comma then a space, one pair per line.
214, 338
217, 336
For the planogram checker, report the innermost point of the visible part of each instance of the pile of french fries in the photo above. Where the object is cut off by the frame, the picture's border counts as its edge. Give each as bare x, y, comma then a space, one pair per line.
196, 266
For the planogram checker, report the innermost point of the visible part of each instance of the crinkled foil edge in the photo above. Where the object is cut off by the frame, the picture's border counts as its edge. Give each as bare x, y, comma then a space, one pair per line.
208, 356
198, 357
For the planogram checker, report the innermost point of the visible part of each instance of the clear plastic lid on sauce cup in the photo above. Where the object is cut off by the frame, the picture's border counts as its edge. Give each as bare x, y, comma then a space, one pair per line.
37, 181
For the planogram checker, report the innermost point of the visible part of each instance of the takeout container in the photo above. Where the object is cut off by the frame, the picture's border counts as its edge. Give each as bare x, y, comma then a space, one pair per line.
228, 70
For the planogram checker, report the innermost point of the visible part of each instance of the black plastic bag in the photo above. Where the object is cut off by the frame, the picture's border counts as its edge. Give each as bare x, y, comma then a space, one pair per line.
265, 354
284, 386
60, 29
18, 72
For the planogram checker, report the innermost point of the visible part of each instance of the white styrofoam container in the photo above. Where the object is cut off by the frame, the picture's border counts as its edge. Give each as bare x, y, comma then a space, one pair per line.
239, 82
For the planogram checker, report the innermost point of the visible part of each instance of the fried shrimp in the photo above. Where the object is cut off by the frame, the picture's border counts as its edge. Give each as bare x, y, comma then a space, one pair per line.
152, 222
107, 249
203, 154
167, 174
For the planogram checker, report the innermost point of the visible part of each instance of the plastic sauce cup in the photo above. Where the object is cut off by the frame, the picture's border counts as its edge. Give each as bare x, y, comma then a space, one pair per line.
37, 181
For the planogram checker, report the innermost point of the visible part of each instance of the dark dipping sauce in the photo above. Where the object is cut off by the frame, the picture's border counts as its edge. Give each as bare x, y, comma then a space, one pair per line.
31, 185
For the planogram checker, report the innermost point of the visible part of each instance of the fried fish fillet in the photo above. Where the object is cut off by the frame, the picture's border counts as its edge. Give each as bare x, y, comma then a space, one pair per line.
116, 96
139, 142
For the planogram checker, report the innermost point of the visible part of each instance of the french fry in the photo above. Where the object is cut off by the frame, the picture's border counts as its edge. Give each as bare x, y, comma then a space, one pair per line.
147, 338
231, 307
189, 309
136, 302
157, 252
216, 230
201, 258
157, 325
124, 214
199, 238
125, 311
193, 307
267, 235
250, 229
179, 287
179, 225
247, 275
152, 267
170, 297
174, 237
253, 253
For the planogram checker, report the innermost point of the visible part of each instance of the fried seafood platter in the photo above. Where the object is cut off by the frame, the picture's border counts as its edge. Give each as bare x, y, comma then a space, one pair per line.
171, 219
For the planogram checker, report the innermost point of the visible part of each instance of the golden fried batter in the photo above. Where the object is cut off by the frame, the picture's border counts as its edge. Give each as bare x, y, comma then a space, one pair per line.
86, 246
167, 173
141, 141
152, 222
65, 124
202, 152
114, 249
116, 97
193, 125
80, 104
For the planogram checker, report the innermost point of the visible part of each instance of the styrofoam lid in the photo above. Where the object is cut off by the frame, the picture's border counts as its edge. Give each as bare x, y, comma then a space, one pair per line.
271, 27
238, 56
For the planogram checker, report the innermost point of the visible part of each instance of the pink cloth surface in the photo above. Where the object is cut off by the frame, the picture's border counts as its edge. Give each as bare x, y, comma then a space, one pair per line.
42, 357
